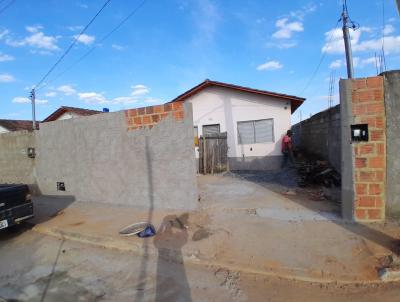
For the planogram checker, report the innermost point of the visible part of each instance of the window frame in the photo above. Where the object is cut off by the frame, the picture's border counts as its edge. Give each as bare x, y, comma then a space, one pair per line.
219, 128
254, 131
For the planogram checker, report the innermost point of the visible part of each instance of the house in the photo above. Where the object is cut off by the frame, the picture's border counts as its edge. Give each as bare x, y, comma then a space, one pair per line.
255, 121
15, 125
65, 112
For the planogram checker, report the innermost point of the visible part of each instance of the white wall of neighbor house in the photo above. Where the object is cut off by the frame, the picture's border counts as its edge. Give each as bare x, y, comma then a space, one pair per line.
67, 115
227, 107
3, 130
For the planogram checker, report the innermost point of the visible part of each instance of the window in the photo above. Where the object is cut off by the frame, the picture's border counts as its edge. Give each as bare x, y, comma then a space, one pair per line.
256, 132
210, 129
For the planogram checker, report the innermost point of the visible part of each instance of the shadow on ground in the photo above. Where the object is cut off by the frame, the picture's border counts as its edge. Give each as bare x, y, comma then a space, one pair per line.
283, 180
46, 207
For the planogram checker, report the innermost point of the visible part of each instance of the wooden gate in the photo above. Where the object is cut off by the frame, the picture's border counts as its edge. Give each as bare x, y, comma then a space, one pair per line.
213, 153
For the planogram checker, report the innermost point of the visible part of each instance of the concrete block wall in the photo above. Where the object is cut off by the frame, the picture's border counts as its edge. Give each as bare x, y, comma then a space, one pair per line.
321, 135
364, 164
15, 165
392, 106
114, 158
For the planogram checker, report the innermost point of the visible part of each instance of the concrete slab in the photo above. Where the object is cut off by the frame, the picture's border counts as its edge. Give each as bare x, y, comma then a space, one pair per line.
241, 226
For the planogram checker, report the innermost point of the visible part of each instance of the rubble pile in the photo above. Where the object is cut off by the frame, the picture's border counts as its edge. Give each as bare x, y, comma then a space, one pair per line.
317, 172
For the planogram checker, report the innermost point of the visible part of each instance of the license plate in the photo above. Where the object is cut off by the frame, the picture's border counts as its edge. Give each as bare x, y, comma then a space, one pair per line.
3, 224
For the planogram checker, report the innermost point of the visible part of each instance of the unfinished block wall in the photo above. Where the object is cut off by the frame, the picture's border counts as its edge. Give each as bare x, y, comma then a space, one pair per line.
369, 174
116, 158
147, 117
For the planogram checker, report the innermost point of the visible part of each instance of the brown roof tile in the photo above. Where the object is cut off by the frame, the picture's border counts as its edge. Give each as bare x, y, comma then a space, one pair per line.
295, 100
63, 109
16, 125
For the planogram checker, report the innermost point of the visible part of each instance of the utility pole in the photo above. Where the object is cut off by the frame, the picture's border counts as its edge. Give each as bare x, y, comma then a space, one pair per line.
347, 42
33, 97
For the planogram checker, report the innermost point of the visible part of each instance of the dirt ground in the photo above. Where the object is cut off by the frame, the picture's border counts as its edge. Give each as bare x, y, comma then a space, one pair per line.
49, 269
249, 241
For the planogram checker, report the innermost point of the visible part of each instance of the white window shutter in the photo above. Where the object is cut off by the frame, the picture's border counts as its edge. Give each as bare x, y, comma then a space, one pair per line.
264, 130
246, 132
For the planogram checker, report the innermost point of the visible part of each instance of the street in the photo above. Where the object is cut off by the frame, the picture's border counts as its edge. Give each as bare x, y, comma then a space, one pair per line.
36, 267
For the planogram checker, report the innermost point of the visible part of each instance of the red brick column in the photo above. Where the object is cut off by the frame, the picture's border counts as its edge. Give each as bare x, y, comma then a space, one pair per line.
148, 117
370, 157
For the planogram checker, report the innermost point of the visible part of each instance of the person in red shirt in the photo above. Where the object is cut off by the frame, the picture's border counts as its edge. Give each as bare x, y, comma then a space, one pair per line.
287, 148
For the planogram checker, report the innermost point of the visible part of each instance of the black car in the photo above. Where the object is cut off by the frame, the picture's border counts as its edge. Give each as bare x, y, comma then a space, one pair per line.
15, 204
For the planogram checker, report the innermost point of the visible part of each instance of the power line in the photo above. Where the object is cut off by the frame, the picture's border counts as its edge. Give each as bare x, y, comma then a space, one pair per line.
72, 44
7, 6
119, 25
320, 60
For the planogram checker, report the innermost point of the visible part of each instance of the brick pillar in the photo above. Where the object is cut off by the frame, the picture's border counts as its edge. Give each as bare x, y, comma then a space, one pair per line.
369, 171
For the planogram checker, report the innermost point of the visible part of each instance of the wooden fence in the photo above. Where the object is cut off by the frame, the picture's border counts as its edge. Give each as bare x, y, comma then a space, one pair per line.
213, 153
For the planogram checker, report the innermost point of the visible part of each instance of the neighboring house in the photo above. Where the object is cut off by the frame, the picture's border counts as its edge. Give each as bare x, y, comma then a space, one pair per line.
65, 112
15, 125
255, 121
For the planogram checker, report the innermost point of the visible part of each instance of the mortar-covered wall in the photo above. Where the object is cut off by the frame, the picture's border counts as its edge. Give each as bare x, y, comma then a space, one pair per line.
392, 104
114, 158
15, 165
321, 135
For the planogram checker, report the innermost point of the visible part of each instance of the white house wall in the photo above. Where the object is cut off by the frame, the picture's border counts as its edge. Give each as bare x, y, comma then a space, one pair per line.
67, 115
224, 106
3, 130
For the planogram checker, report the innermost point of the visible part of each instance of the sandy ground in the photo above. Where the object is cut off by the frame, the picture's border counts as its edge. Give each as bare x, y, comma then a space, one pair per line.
246, 242
240, 224
49, 269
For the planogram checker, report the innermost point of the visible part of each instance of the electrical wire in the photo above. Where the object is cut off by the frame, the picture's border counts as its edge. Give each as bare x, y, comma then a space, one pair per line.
320, 61
72, 44
2, 10
119, 25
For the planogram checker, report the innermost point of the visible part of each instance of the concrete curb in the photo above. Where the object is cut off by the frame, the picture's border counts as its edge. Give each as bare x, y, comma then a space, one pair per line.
189, 258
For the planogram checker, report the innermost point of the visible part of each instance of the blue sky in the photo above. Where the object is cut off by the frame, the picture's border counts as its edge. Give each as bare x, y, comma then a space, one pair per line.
169, 46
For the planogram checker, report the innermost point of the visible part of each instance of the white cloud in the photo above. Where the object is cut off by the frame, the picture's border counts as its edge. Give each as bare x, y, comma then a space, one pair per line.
37, 39
334, 42
392, 45
389, 29
92, 98
75, 27
118, 47
23, 100
50, 94
139, 90
66, 89
6, 78
34, 29
281, 45
270, 65
206, 17
152, 100
305, 10
361, 63
124, 100
139, 94
3, 33
85, 39
4, 57
336, 64
286, 29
